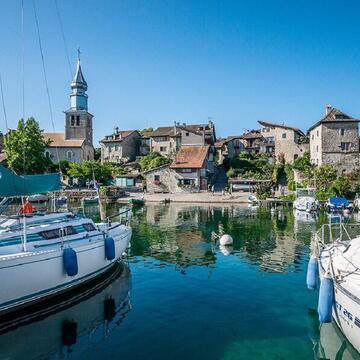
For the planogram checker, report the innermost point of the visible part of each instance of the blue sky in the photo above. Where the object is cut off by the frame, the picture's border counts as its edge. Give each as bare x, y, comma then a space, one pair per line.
150, 63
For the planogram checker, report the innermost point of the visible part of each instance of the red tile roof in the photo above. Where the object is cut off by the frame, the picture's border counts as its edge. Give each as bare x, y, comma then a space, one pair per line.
190, 157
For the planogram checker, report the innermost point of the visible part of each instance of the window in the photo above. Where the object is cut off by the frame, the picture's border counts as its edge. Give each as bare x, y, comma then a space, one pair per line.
69, 155
162, 148
186, 170
283, 135
161, 138
157, 177
89, 227
270, 139
72, 120
186, 182
187, 134
317, 132
342, 132
345, 146
312, 137
317, 148
56, 233
77, 120
47, 154
296, 156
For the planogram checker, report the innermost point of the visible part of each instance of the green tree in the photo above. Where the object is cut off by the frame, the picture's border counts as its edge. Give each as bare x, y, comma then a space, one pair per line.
87, 170
152, 161
324, 177
25, 148
97, 154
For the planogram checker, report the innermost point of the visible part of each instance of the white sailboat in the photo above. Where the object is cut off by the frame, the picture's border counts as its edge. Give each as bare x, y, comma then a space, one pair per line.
44, 255
336, 258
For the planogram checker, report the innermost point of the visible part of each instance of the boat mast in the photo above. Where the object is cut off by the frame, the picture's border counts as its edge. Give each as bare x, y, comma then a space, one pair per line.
24, 226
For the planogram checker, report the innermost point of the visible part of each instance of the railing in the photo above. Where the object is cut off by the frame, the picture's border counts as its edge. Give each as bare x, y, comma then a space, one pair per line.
340, 232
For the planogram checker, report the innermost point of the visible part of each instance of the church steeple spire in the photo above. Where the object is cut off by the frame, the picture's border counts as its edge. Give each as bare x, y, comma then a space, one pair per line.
78, 96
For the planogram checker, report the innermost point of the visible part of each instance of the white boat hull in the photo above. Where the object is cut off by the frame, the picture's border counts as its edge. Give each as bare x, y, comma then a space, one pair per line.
29, 277
346, 312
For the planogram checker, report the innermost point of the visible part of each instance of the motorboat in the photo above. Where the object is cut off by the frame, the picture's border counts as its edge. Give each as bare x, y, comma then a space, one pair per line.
61, 200
38, 198
43, 255
305, 200
338, 204
335, 257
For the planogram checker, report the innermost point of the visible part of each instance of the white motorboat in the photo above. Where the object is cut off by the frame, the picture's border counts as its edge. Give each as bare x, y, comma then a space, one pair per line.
305, 200
44, 255
38, 198
337, 255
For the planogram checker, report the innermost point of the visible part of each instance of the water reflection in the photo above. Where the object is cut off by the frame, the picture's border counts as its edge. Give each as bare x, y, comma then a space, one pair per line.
181, 234
71, 324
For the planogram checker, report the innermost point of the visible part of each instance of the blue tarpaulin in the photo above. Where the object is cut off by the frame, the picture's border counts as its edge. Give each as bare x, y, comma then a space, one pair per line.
15, 185
338, 201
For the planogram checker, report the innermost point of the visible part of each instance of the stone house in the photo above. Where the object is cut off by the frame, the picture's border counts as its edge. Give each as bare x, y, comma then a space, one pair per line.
76, 144
285, 141
334, 140
192, 170
253, 142
227, 149
121, 146
168, 139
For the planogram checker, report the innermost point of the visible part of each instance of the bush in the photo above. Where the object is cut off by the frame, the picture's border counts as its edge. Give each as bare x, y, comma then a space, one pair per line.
152, 161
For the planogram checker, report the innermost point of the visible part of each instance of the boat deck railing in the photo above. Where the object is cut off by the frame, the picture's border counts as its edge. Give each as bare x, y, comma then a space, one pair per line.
338, 232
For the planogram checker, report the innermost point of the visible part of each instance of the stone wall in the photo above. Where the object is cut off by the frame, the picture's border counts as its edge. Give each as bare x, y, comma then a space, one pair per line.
189, 138
121, 151
325, 145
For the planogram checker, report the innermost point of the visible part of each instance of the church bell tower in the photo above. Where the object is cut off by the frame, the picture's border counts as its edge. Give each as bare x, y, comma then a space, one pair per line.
78, 121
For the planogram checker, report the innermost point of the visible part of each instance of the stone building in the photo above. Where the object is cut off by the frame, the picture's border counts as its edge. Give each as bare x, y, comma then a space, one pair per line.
121, 146
228, 148
253, 142
192, 170
334, 140
76, 144
168, 139
285, 141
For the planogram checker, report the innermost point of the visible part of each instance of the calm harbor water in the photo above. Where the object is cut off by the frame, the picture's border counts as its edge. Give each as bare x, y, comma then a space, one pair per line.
181, 296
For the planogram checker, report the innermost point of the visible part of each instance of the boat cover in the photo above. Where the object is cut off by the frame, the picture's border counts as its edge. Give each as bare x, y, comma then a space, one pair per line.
338, 201
15, 185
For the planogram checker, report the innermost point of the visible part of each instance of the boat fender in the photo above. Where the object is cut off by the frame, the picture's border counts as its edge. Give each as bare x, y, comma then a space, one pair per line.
312, 273
326, 298
109, 248
70, 262
226, 239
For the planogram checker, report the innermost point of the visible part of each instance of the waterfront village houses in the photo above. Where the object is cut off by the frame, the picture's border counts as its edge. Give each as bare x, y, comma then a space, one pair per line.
334, 140
121, 146
192, 169
76, 144
228, 148
283, 141
167, 140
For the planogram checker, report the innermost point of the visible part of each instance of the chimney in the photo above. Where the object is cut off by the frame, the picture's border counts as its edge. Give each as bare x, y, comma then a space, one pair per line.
175, 127
116, 130
328, 108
